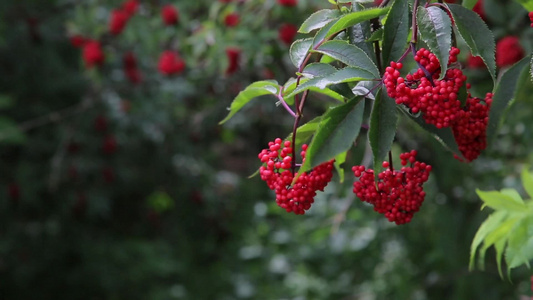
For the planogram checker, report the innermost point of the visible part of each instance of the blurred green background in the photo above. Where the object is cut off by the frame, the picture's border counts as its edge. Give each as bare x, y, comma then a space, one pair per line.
169, 213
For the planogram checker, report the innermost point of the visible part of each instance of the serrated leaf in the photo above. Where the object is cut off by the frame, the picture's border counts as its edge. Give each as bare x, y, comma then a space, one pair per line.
504, 92
339, 160
435, 28
395, 32
322, 34
299, 50
291, 85
355, 18
337, 131
318, 20
443, 135
347, 74
254, 90
500, 201
318, 70
348, 54
476, 34
520, 246
527, 181
383, 120
366, 89
486, 227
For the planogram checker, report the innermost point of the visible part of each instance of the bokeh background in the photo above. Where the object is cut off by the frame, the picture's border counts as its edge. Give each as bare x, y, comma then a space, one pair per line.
116, 181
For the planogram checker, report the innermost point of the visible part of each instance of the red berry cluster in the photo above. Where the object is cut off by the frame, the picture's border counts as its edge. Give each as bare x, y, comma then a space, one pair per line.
508, 51
170, 15
287, 32
92, 53
170, 63
530, 15
399, 194
120, 16
470, 130
232, 19
279, 177
422, 91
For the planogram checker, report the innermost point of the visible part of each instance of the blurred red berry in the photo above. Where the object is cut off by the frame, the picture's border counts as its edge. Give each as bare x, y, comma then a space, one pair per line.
118, 21
478, 8
93, 54
109, 145
288, 3
231, 20
129, 61
77, 40
100, 123
530, 15
169, 14
130, 7
133, 75
508, 51
287, 32
233, 55
170, 63
475, 62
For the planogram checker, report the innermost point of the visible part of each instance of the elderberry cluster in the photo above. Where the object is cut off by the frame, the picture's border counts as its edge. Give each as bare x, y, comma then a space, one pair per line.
437, 100
277, 173
399, 194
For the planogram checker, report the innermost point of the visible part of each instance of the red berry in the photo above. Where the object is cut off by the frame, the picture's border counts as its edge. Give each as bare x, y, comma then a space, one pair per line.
287, 32
93, 54
77, 41
170, 63
233, 55
169, 14
508, 51
130, 7
288, 3
118, 21
231, 20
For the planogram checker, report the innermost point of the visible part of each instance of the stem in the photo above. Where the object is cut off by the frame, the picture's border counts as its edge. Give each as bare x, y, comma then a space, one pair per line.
413, 24
285, 105
390, 161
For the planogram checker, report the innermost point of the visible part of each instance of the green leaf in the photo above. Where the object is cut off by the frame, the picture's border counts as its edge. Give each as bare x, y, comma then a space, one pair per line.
395, 32
322, 34
337, 131
5, 101
504, 92
500, 201
502, 232
318, 70
443, 135
499, 246
527, 4
339, 160
527, 181
305, 132
493, 221
299, 50
435, 28
160, 201
476, 34
382, 130
513, 194
347, 74
359, 34
319, 19
10, 132
469, 3
462, 95
355, 18
254, 90
349, 55
376, 36
291, 85
520, 247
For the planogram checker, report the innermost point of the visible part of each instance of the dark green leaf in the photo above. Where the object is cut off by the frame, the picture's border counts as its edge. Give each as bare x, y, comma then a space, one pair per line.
305, 132
435, 28
504, 92
349, 55
395, 32
256, 89
443, 135
319, 19
469, 3
382, 130
359, 34
377, 36
337, 131
318, 70
347, 74
476, 34
299, 50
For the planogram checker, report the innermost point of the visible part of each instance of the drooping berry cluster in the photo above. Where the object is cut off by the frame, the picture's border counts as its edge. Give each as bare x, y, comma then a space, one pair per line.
277, 173
438, 101
423, 92
470, 130
399, 194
